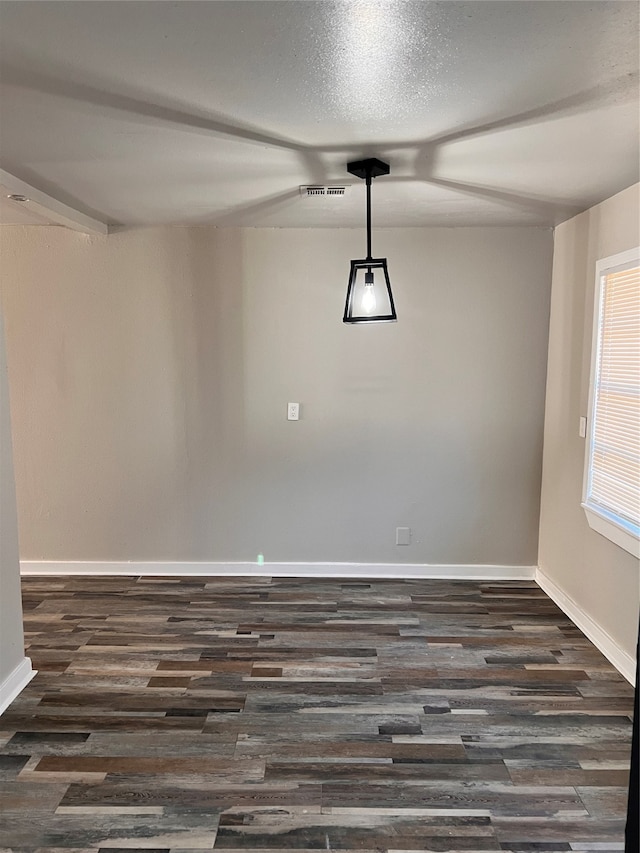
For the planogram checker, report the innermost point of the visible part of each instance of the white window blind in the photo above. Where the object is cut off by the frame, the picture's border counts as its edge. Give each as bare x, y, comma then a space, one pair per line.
612, 473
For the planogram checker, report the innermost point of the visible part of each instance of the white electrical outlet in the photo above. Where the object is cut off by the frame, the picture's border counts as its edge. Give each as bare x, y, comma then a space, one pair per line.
403, 536
293, 411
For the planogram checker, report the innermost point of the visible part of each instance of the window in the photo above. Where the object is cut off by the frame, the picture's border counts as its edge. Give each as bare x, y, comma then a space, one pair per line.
611, 493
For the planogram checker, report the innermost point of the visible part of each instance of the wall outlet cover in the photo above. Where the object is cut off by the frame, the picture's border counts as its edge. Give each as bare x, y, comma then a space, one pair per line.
403, 536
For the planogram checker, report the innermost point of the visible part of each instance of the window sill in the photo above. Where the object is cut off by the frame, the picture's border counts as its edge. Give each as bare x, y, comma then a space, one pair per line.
612, 531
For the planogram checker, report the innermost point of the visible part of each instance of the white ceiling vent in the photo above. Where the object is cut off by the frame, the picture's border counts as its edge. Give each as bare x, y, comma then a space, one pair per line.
320, 191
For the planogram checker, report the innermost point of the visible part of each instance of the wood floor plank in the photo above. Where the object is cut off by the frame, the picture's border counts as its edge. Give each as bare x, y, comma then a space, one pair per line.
282, 714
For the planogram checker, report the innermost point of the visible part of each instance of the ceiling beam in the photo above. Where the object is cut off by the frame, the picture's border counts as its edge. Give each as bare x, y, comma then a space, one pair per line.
52, 209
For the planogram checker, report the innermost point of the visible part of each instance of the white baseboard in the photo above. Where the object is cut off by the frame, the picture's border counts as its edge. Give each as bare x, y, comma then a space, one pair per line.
298, 570
622, 660
15, 682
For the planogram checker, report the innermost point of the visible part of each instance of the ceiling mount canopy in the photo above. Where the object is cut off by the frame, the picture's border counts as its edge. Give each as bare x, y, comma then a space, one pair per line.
369, 297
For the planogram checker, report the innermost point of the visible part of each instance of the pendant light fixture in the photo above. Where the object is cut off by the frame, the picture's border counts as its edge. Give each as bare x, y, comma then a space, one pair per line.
369, 297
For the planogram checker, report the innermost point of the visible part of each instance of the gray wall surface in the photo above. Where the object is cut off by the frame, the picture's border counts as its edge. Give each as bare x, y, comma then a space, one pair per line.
150, 373
11, 633
600, 577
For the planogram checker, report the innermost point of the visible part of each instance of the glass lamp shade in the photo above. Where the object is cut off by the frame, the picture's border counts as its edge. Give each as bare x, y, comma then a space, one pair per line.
369, 297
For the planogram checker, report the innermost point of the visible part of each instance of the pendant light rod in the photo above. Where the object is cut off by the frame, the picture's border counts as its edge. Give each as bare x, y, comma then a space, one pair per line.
368, 214
368, 169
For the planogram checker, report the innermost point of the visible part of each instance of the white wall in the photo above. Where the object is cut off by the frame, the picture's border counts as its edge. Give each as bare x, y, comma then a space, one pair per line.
150, 373
599, 578
15, 669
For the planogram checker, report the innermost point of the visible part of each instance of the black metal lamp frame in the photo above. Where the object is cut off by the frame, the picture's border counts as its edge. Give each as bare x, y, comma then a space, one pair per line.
367, 170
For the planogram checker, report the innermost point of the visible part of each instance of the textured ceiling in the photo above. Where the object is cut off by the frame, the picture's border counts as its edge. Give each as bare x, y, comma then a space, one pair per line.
141, 113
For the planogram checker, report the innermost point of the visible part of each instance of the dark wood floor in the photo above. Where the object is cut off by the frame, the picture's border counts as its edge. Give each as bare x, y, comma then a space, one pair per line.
279, 714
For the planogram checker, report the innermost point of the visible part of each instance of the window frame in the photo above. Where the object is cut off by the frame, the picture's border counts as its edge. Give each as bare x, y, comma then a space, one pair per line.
607, 523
